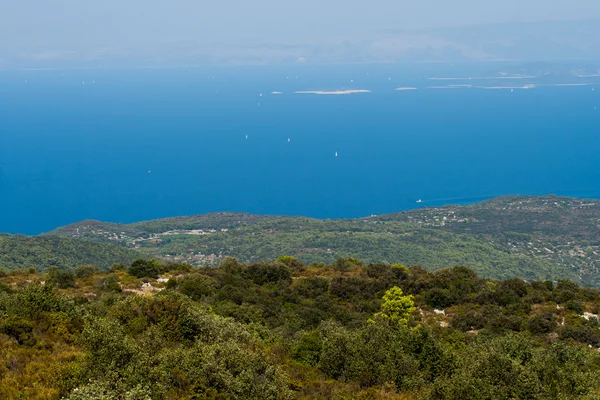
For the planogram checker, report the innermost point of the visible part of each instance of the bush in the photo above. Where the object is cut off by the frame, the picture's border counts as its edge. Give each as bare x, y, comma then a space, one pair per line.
19, 329
171, 266
86, 271
542, 323
400, 271
108, 348
311, 287
111, 284
308, 350
4, 288
101, 391
141, 268
236, 371
196, 286
292, 262
440, 298
263, 273
467, 321
171, 283
585, 333
63, 278
118, 267
345, 264
35, 300
575, 306
230, 265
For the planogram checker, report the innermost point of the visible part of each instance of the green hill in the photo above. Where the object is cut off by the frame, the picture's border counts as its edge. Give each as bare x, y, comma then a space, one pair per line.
18, 252
529, 237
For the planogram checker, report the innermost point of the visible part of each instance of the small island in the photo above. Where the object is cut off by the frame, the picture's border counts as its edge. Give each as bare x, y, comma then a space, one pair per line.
332, 92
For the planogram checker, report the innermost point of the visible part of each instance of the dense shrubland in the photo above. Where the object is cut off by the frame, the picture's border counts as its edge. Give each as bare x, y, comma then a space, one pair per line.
42, 252
283, 330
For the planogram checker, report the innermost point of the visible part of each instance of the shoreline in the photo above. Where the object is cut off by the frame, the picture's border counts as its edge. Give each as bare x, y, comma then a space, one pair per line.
426, 203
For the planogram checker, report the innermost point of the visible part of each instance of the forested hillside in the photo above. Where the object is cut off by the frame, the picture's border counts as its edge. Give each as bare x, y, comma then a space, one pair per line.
18, 252
283, 330
564, 231
528, 237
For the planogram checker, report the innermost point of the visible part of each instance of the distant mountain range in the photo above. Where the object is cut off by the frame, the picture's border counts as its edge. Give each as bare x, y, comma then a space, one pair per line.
542, 41
530, 237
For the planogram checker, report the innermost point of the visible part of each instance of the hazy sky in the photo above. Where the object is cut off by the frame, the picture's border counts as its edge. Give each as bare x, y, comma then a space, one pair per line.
73, 23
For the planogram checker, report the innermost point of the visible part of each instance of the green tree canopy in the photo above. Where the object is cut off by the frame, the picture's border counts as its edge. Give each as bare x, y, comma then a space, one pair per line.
396, 307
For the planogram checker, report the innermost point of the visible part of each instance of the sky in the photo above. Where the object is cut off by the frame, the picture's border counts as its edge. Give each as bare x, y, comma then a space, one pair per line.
73, 24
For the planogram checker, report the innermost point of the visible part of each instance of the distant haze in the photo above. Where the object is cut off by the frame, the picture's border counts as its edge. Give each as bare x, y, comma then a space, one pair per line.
110, 32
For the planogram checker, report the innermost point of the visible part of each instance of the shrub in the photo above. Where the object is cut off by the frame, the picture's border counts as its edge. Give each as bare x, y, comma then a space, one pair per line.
171, 283
4, 288
63, 278
467, 321
311, 287
110, 284
196, 286
308, 350
352, 288
107, 346
236, 371
171, 266
86, 271
439, 298
542, 323
575, 306
34, 300
141, 268
292, 262
345, 264
585, 333
19, 329
378, 271
263, 273
102, 391
230, 265
400, 271
118, 267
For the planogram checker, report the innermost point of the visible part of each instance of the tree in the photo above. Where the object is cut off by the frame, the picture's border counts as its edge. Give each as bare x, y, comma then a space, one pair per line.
396, 307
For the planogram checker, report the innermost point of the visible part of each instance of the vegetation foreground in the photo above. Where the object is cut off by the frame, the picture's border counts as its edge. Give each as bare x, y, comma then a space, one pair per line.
283, 330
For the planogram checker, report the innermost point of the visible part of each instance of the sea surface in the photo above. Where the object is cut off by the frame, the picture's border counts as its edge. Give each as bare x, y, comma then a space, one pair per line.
138, 144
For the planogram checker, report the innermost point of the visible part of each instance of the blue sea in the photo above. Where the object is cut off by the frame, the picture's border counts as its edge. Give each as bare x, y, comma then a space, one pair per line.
138, 144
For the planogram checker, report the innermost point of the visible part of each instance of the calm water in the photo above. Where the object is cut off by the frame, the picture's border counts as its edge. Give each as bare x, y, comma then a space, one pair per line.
141, 144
